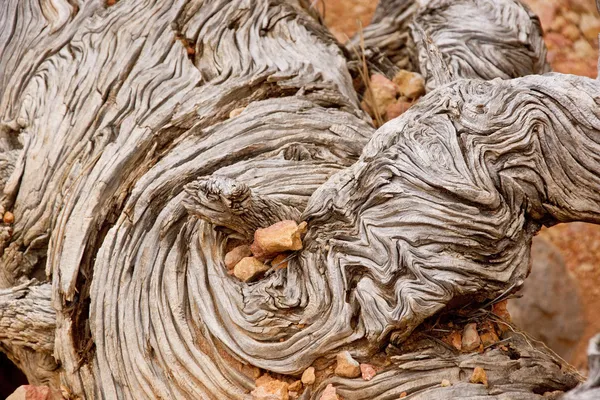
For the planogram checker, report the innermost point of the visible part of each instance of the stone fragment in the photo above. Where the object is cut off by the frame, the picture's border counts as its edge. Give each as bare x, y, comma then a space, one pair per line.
410, 84
235, 256
454, 339
367, 371
295, 386
268, 388
445, 383
347, 366
279, 261
277, 238
9, 218
236, 111
558, 23
584, 49
590, 26
572, 17
470, 338
384, 93
403, 395
31, 392
488, 334
249, 268
308, 376
571, 32
500, 310
330, 393
479, 376
396, 109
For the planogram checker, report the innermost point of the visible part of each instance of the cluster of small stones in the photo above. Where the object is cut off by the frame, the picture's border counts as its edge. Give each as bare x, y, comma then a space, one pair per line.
269, 388
388, 99
571, 29
271, 248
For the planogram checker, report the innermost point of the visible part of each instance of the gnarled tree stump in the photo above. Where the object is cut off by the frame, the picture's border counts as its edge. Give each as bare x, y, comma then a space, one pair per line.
140, 140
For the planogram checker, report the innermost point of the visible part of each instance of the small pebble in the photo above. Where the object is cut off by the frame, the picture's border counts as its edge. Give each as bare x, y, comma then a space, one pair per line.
8, 218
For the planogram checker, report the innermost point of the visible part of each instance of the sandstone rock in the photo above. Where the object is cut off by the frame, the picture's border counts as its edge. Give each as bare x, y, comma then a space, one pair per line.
235, 256
410, 84
249, 268
329, 393
590, 26
584, 49
268, 388
384, 93
499, 309
556, 41
396, 109
347, 366
279, 261
30, 392
571, 32
367, 371
488, 334
296, 386
308, 376
236, 111
403, 395
8, 217
277, 238
470, 337
572, 17
558, 23
445, 383
479, 376
454, 339
550, 309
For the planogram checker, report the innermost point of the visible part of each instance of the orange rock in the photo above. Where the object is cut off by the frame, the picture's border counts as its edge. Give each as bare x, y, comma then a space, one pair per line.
296, 386
367, 371
454, 339
31, 392
268, 388
235, 256
590, 26
479, 376
470, 337
410, 84
500, 310
347, 366
9, 218
558, 23
396, 109
236, 111
557, 41
249, 268
277, 238
330, 393
488, 335
571, 32
308, 376
403, 395
384, 93
279, 261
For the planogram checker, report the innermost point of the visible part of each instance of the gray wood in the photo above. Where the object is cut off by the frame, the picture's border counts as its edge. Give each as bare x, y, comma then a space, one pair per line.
128, 167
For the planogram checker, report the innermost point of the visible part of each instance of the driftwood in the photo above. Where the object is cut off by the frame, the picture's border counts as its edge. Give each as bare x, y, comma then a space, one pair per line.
139, 140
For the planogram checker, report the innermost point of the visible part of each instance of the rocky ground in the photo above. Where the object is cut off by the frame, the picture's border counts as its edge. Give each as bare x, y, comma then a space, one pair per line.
571, 31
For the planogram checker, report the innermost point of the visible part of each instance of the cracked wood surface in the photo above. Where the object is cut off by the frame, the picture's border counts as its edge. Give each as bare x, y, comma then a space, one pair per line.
128, 173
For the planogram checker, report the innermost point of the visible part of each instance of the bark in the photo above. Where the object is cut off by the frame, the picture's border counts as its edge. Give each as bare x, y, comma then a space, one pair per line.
130, 170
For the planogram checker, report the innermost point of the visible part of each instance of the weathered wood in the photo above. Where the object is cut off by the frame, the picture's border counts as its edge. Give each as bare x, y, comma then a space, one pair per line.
129, 168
